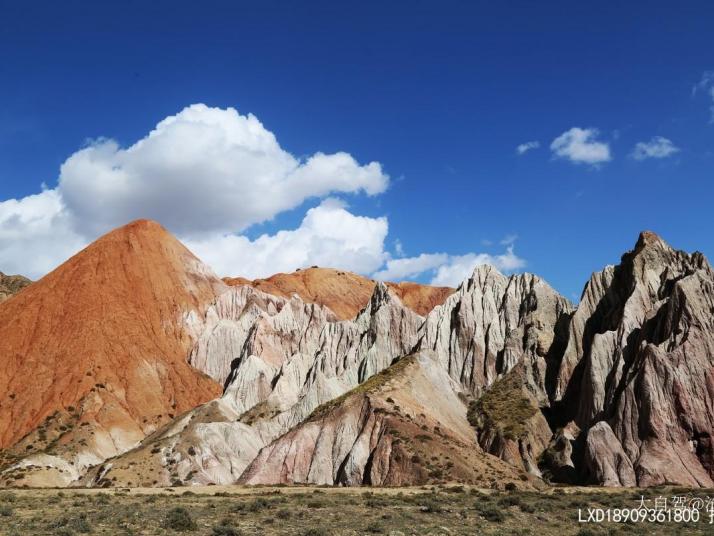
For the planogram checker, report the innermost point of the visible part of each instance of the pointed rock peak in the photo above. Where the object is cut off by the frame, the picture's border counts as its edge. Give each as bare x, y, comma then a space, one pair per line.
111, 315
380, 295
482, 274
649, 239
483, 271
143, 248
147, 229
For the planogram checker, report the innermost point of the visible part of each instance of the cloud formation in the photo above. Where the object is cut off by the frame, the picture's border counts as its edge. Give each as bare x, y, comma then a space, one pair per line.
448, 270
203, 170
208, 174
329, 235
527, 146
36, 234
657, 147
706, 85
580, 146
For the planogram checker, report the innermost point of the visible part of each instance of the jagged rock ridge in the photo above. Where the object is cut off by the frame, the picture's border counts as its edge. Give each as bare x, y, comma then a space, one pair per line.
403, 426
617, 391
344, 293
638, 372
11, 284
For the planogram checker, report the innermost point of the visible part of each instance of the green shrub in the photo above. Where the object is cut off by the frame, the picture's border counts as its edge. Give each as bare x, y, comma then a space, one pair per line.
492, 514
509, 500
70, 525
224, 530
586, 532
315, 531
374, 528
259, 504
179, 519
527, 508
430, 507
5, 510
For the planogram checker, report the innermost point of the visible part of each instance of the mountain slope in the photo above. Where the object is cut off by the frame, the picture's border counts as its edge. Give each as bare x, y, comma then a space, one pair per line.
619, 391
403, 426
94, 354
293, 357
345, 293
637, 374
11, 284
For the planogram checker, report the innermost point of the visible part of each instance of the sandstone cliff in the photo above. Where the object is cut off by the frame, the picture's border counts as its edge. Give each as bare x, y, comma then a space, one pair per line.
638, 369
345, 293
617, 391
404, 426
293, 357
93, 356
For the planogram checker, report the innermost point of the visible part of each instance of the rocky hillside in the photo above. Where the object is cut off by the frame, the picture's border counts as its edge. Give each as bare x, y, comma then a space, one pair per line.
637, 374
406, 425
525, 386
11, 284
343, 292
294, 357
94, 354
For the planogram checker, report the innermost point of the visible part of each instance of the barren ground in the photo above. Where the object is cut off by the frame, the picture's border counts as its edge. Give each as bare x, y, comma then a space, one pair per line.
313, 511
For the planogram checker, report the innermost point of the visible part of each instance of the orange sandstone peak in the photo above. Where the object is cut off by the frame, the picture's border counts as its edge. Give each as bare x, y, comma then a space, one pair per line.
345, 293
101, 337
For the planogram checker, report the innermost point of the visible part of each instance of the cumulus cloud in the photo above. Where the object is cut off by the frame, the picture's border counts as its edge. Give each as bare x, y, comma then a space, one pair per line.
706, 86
411, 267
329, 235
208, 174
657, 147
527, 146
448, 270
204, 173
36, 234
203, 170
580, 146
460, 267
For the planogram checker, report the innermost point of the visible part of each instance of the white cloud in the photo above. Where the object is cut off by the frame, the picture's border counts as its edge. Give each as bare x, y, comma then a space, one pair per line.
411, 267
36, 234
329, 235
203, 173
398, 248
706, 85
203, 170
208, 174
460, 267
509, 240
657, 147
528, 146
580, 145
447, 270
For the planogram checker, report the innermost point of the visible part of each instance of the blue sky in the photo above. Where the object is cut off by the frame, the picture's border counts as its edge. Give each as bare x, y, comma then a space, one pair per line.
440, 94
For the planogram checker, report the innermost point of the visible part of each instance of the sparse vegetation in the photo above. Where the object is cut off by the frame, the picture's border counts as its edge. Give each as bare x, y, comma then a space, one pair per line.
504, 407
371, 385
293, 511
179, 519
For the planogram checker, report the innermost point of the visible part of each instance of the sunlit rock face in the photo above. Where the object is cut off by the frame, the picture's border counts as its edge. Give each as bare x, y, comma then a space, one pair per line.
216, 383
639, 360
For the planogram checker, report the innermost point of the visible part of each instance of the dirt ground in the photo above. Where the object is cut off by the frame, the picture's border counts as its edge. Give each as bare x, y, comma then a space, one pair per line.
317, 511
